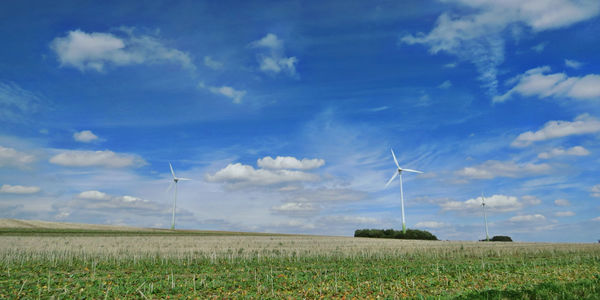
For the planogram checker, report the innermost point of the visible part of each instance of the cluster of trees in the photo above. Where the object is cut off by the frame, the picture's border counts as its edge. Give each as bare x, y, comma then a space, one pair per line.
411, 234
499, 238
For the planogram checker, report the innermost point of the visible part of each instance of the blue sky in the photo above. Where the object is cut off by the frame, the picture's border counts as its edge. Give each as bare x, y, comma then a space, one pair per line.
283, 114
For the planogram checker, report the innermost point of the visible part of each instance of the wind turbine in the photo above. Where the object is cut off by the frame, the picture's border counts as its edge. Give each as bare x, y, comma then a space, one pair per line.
487, 236
399, 172
175, 180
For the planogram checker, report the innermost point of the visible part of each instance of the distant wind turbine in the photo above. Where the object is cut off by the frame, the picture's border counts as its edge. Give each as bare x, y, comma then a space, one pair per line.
175, 180
399, 172
487, 236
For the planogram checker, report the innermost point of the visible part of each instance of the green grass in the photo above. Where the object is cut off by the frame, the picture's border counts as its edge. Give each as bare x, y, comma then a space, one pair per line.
267, 273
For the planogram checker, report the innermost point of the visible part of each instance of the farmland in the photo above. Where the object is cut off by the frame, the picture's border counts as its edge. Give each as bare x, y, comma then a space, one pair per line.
194, 264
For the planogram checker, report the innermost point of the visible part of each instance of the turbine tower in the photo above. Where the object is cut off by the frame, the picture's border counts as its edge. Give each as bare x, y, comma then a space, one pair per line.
487, 236
175, 180
399, 172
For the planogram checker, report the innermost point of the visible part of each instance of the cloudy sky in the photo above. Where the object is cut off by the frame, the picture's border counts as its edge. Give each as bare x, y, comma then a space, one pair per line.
284, 113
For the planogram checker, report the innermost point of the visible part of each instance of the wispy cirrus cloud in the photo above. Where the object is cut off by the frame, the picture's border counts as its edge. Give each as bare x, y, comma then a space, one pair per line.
98, 50
539, 83
493, 168
479, 37
583, 124
17, 104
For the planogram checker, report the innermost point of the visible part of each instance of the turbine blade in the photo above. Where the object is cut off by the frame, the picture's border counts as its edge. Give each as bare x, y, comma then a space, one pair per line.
411, 170
172, 172
391, 179
170, 187
181, 178
395, 160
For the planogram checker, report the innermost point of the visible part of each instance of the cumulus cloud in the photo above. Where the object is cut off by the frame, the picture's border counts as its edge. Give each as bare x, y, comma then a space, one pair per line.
597, 219
213, 64
18, 189
227, 91
539, 47
539, 83
16, 103
495, 203
573, 64
273, 60
239, 174
575, 151
106, 158
431, 224
562, 202
596, 190
10, 157
85, 136
96, 50
478, 37
583, 124
564, 214
358, 220
289, 162
536, 218
493, 168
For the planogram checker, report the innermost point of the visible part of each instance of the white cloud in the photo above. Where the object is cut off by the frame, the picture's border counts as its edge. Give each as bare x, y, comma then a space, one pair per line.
596, 190
289, 162
431, 224
562, 202
349, 220
296, 208
528, 218
106, 158
213, 64
85, 136
596, 219
274, 60
18, 189
495, 203
493, 168
576, 151
93, 195
478, 37
445, 85
539, 47
573, 64
583, 124
537, 82
240, 174
96, 50
564, 214
10, 157
227, 91
531, 200
17, 103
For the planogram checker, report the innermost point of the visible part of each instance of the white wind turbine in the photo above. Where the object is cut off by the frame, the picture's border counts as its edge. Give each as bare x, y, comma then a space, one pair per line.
399, 172
175, 180
487, 236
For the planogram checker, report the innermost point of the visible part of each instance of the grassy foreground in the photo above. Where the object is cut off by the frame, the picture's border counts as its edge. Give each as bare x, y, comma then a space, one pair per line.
292, 267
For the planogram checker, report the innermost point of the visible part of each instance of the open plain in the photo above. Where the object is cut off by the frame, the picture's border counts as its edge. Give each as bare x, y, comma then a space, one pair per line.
99, 263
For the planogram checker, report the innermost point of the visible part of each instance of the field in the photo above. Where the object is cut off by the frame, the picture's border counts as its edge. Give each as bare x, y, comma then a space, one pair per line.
38, 262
